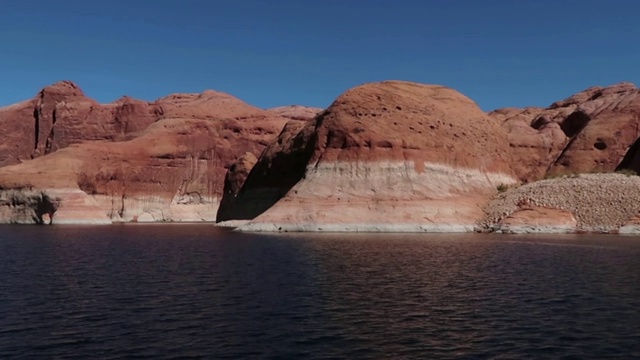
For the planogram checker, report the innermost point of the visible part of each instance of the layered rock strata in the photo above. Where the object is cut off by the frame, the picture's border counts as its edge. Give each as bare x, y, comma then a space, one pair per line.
169, 167
390, 156
61, 115
26, 206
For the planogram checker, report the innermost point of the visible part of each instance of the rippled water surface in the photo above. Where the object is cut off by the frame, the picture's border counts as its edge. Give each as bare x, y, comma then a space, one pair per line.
192, 291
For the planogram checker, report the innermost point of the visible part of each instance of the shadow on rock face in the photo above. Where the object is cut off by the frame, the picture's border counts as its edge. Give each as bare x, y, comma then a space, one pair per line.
574, 123
280, 167
631, 160
45, 209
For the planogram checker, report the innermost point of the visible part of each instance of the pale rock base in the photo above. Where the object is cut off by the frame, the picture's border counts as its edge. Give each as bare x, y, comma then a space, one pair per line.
365, 228
382, 196
232, 224
534, 219
629, 230
76, 207
152, 208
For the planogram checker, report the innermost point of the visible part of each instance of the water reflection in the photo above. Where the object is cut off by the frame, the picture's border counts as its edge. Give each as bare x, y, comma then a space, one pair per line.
171, 291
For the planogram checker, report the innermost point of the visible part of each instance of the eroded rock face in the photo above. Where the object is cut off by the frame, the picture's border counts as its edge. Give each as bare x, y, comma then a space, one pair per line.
61, 115
536, 141
26, 206
590, 131
536, 219
390, 156
162, 161
599, 203
18, 129
296, 112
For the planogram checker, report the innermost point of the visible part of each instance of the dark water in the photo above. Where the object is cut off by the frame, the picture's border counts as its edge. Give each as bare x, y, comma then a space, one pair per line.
187, 291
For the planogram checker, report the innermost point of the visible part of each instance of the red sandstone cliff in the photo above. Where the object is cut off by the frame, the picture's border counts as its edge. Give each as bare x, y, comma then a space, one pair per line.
61, 115
590, 131
392, 156
130, 160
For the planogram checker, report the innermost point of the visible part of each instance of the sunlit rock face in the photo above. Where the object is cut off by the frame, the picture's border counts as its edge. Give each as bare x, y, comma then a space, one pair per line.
133, 161
591, 131
390, 156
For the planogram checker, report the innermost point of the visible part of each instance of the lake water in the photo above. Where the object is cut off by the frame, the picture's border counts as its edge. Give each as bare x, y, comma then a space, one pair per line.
193, 291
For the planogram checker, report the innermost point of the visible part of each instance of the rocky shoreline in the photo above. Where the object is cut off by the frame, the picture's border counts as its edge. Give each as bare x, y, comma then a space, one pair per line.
597, 203
572, 204
579, 203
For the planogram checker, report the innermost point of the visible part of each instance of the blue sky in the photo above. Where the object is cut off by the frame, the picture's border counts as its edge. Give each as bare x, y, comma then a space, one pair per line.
280, 52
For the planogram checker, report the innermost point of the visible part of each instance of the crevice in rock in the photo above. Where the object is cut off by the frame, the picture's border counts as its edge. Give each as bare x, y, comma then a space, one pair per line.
49, 142
36, 117
121, 210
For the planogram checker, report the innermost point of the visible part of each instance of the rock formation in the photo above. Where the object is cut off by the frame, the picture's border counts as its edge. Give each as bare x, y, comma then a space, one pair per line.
390, 156
61, 115
133, 161
590, 131
233, 181
536, 219
296, 112
25, 206
575, 203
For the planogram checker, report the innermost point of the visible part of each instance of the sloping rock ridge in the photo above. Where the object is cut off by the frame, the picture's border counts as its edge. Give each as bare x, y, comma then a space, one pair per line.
133, 161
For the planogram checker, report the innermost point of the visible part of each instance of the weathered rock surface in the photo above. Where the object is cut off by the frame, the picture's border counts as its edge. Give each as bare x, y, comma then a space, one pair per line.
76, 207
631, 226
18, 132
163, 161
535, 219
535, 144
296, 112
599, 203
390, 156
590, 131
26, 206
61, 115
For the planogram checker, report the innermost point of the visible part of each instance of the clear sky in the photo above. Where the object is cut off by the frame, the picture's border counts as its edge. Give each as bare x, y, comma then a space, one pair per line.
281, 52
